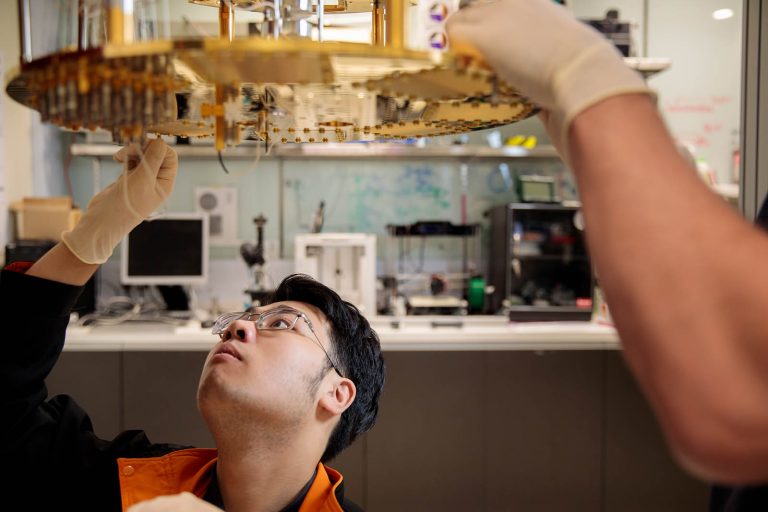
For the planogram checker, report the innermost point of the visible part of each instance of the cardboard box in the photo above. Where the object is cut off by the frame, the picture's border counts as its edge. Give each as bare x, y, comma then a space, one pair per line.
39, 218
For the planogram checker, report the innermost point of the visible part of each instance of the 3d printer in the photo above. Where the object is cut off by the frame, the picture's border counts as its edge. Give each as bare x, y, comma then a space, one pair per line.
414, 289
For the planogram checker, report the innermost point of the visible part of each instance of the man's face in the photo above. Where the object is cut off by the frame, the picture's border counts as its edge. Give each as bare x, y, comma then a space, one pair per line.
269, 376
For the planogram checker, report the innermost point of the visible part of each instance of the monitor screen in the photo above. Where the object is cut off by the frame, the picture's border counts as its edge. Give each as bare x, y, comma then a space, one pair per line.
172, 249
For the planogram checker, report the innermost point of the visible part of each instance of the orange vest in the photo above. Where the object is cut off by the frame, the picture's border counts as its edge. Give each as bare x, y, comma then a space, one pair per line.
190, 470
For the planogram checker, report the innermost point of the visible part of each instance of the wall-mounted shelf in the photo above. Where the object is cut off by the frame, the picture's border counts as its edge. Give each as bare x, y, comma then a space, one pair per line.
354, 151
728, 191
648, 66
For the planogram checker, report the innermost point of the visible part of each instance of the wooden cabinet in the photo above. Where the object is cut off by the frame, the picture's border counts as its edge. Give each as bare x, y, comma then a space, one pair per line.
493, 431
640, 474
544, 431
159, 396
94, 379
426, 451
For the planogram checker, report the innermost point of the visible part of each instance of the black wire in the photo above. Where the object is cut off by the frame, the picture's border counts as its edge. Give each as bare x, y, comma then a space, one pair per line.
221, 161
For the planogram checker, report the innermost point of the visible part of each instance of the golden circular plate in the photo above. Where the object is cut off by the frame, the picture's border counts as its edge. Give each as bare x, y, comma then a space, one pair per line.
286, 90
477, 112
439, 84
183, 128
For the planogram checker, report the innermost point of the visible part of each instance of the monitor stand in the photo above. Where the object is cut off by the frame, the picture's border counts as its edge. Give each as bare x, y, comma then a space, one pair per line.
175, 297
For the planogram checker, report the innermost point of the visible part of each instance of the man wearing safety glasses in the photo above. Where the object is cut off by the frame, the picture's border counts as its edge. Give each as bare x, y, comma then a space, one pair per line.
284, 390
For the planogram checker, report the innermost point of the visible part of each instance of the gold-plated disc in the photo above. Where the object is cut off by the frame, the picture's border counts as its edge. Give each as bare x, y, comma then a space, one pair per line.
183, 128
441, 84
284, 91
477, 112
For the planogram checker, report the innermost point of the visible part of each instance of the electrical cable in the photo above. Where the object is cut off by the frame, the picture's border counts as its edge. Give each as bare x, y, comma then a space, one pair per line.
221, 161
121, 309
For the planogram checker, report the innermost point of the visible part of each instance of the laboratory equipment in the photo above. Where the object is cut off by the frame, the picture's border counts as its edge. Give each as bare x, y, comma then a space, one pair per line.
617, 31
120, 65
259, 288
345, 262
168, 250
430, 290
539, 267
533, 188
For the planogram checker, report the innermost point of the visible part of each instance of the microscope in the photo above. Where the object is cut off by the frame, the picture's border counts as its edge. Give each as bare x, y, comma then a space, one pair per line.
258, 290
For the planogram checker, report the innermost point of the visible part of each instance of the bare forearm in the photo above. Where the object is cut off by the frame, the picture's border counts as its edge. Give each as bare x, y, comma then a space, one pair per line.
59, 264
680, 270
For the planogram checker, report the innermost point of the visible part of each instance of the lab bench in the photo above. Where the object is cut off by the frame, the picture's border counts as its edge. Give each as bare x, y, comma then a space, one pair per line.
476, 414
408, 333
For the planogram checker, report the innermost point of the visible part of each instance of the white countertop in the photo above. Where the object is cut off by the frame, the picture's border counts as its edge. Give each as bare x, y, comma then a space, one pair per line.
422, 333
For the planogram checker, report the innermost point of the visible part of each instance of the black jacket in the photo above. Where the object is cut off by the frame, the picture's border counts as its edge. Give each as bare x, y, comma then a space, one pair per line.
51, 459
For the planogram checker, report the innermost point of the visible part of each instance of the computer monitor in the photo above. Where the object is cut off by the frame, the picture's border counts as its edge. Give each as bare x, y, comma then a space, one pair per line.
169, 250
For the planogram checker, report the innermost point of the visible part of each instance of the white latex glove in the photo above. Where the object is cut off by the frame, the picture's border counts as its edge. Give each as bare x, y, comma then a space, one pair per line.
184, 502
120, 207
536, 46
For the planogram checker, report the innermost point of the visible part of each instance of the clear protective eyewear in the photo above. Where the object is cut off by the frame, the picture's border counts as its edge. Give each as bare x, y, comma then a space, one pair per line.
279, 319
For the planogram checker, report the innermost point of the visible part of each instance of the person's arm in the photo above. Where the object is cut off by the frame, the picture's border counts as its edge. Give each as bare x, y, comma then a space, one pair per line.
687, 282
35, 305
684, 275
59, 264
111, 215
34, 313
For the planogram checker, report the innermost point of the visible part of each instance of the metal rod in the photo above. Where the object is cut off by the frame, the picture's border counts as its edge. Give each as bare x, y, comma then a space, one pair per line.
646, 15
220, 125
167, 21
395, 17
377, 24
82, 36
226, 31
116, 23
25, 32
281, 207
320, 18
96, 175
277, 21
226, 20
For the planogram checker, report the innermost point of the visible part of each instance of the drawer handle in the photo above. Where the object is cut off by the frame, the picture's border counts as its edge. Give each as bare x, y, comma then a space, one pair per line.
447, 323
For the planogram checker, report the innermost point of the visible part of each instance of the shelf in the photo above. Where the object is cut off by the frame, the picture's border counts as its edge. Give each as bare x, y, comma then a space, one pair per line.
548, 257
648, 66
549, 309
432, 229
354, 151
727, 190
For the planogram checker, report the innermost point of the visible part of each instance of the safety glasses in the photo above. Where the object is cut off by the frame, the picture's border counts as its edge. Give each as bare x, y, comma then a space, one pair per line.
278, 319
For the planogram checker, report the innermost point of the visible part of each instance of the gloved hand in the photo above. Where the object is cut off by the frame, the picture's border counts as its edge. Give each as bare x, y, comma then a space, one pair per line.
536, 46
120, 207
183, 502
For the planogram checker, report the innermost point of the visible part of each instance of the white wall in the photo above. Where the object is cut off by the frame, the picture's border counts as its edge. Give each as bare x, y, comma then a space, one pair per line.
699, 95
16, 120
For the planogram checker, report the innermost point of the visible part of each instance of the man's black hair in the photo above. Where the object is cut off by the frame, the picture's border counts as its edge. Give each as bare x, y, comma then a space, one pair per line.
355, 348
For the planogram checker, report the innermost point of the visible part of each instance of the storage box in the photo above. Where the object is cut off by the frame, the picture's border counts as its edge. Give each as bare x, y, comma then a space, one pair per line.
44, 218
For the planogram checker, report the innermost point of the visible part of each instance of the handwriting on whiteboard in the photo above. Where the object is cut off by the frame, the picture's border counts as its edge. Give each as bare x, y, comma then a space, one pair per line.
703, 114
